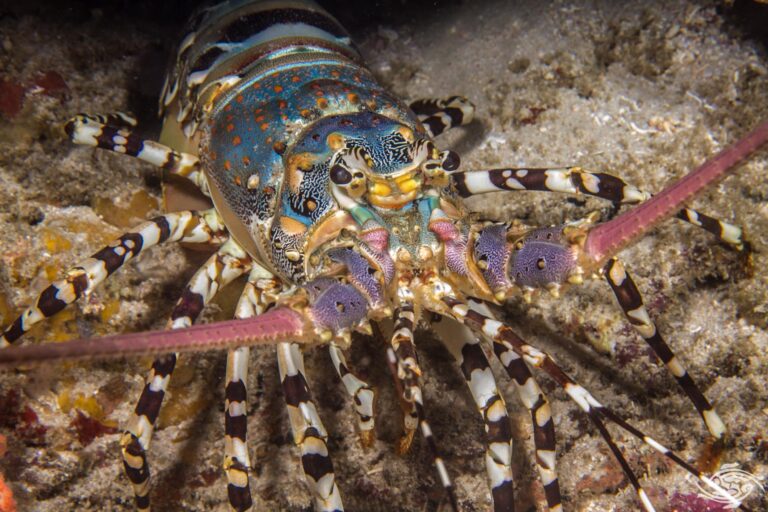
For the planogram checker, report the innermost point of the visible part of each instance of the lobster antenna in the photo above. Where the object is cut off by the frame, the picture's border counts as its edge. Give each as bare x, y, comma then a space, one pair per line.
280, 324
609, 238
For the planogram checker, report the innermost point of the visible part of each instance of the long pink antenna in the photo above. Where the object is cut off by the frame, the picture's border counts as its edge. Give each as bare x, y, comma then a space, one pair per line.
281, 324
609, 238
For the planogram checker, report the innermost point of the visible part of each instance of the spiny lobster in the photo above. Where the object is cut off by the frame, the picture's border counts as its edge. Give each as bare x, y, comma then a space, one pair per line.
333, 199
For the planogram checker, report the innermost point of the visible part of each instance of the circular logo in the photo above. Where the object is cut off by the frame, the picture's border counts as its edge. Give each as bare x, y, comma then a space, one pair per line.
738, 485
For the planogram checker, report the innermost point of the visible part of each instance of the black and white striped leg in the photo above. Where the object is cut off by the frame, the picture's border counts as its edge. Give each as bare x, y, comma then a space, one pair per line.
110, 132
403, 352
631, 303
229, 262
309, 434
237, 462
440, 115
503, 335
410, 415
116, 119
468, 352
575, 180
537, 403
254, 301
361, 393
82, 278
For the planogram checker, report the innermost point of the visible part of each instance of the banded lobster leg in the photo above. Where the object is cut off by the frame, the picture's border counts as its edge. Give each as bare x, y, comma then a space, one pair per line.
502, 335
466, 349
403, 360
111, 132
631, 303
309, 434
408, 409
440, 115
575, 180
187, 226
229, 262
362, 394
536, 402
254, 300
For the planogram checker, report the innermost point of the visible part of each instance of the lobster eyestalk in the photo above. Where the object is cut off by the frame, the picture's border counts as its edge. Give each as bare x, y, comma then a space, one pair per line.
280, 324
607, 239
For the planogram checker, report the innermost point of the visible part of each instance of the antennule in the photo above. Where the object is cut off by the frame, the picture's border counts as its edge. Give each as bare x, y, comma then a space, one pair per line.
609, 238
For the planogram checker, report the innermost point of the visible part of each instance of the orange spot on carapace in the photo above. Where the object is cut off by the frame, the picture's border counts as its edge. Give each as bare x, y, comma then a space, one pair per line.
282, 104
238, 181
353, 98
236, 140
259, 118
278, 88
228, 165
257, 85
264, 126
335, 74
295, 78
322, 103
230, 127
292, 226
246, 160
239, 98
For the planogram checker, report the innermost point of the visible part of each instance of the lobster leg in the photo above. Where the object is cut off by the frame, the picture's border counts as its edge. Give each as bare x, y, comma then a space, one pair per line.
468, 352
361, 392
109, 131
229, 262
575, 180
440, 115
237, 464
115, 119
188, 226
410, 415
503, 335
309, 434
631, 303
535, 401
402, 355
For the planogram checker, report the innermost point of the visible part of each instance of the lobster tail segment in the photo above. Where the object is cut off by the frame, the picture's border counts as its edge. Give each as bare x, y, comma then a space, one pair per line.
607, 239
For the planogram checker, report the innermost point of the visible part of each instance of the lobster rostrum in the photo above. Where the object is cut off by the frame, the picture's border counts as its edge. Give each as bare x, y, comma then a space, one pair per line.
332, 197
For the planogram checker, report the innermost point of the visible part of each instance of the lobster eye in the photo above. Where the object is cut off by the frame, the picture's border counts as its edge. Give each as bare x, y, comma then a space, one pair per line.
339, 175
